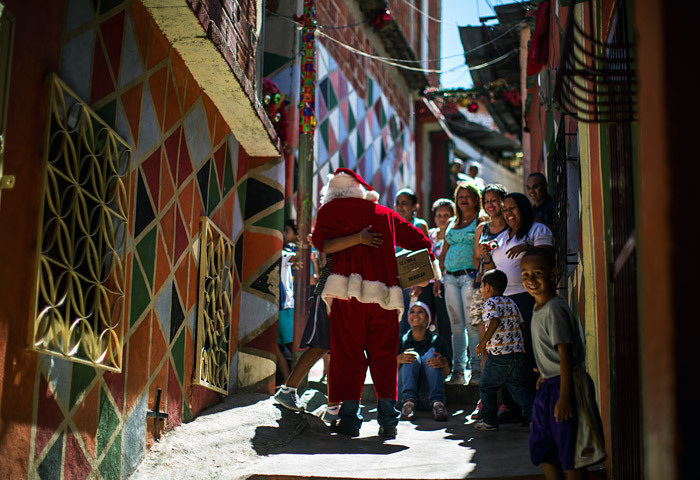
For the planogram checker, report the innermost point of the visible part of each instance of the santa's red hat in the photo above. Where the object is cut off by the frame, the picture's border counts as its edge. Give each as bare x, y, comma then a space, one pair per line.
347, 183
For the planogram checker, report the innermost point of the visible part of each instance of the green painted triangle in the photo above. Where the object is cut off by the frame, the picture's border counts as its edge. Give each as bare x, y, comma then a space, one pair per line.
111, 463
273, 62
81, 377
108, 113
107, 423
382, 114
187, 415
178, 353
360, 146
140, 295
146, 249
351, 119
229, 179
332, 99
242, 195
275, 220
214, 195
324, 132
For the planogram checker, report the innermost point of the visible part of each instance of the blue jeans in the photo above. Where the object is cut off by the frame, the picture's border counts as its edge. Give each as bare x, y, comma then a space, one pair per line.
387, 414
510, 371
411, 374
458, 297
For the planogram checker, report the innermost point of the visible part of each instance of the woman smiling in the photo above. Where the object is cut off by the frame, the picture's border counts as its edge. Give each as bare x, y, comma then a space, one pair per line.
458, 259
523, 233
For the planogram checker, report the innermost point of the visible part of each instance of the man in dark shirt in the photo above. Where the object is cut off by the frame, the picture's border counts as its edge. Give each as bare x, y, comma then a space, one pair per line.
542, 201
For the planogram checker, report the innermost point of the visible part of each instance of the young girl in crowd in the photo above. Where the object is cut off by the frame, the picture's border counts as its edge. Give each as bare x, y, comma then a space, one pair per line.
458, 258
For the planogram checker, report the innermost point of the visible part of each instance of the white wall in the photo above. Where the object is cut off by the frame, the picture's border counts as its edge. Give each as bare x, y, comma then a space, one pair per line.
490, 171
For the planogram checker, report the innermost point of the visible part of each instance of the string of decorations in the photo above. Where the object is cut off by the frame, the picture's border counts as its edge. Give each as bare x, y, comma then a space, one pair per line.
468, 98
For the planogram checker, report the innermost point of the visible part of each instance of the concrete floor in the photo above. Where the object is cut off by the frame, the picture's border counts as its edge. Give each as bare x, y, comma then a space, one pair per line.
249, 436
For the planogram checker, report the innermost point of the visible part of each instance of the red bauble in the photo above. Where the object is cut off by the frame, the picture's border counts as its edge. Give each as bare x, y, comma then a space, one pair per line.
473, 107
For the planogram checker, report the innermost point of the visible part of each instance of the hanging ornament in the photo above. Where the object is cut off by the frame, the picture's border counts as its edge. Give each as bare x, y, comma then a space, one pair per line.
267, 98
277, 117
473, 107
464, 102
381, 18
277, 98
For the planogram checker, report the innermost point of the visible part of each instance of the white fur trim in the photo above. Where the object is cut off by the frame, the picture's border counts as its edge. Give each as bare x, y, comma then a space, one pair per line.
342, 185
365, 291
372, 196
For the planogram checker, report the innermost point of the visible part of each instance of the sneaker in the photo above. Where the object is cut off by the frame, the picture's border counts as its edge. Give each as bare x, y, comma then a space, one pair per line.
408, 410
387, 432
343, 428
323, 413
474, 380
506, 415
485, 426
439, 412
476, 414
457, 378
289, 400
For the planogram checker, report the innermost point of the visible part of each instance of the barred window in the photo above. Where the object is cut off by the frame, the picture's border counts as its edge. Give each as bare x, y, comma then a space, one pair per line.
80, 302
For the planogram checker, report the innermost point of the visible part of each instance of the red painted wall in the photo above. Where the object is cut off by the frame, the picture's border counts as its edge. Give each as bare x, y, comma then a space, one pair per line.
36, 53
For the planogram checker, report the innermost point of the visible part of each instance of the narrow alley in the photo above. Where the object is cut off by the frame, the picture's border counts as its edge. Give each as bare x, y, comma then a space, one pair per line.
250, 436
200, 199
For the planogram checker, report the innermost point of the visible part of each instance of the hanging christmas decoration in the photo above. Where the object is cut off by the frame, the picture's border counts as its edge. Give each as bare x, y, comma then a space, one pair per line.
275, 107
307, 103
380, 18
449, 99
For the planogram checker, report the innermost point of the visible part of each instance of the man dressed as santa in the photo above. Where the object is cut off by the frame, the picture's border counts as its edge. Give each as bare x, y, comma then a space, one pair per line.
364, 298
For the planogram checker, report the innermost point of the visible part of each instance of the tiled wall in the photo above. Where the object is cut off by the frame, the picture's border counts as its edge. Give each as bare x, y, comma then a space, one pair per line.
364, 134
186, 163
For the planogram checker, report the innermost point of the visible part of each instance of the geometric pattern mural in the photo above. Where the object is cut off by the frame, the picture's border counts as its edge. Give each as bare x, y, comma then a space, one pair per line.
363, 134
186, 164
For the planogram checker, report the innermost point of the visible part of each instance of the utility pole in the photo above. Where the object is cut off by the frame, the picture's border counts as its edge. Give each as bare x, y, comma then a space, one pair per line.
307, 126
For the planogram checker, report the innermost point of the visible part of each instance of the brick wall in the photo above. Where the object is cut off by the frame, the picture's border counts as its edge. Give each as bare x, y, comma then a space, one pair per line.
355, 67
411, 23
230, 24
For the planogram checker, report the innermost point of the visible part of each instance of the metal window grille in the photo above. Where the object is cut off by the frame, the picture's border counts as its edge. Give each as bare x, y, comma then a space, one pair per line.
80, 299
564, 155
214, 308
596, 81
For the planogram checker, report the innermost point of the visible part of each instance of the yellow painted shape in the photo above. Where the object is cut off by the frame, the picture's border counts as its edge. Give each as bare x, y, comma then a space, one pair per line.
592, 300
253, 369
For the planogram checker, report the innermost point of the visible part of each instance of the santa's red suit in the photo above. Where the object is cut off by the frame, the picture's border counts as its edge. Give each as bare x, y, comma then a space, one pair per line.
362, 292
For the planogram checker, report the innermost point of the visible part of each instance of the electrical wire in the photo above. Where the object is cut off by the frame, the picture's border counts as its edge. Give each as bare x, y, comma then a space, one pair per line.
393, 62
425, 14
403, 61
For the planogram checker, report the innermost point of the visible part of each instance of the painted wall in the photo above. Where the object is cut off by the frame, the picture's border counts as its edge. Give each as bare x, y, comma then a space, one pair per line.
365, 134
67, 420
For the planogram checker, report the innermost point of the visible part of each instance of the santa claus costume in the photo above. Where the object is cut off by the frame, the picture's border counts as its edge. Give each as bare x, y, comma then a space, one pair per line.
363, 297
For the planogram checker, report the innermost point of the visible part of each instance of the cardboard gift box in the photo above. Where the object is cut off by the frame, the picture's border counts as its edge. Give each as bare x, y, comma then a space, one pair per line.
414, 267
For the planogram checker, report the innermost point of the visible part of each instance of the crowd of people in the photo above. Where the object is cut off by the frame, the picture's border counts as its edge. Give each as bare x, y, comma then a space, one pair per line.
490, 317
